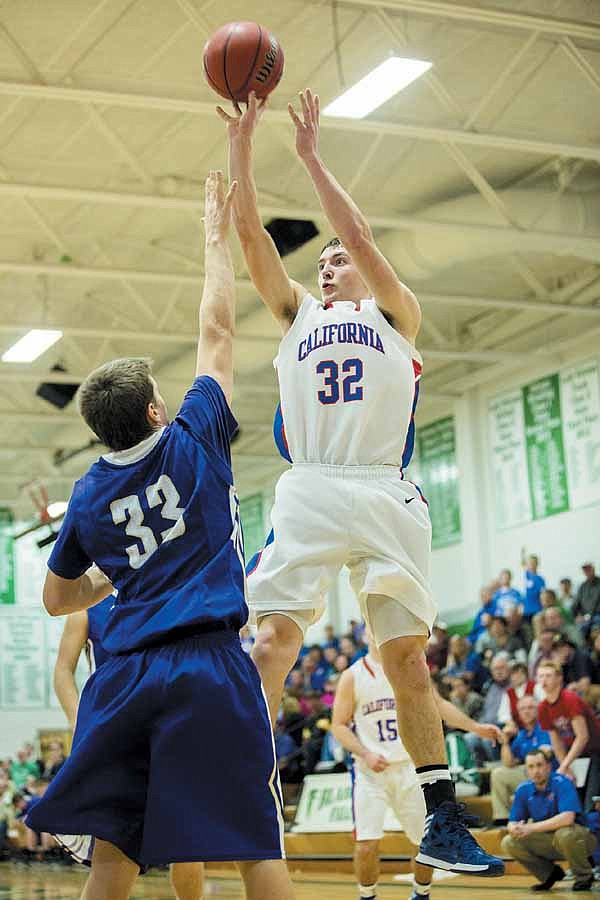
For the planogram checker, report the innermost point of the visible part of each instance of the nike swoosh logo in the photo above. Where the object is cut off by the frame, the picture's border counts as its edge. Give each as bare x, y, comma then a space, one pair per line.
408, 499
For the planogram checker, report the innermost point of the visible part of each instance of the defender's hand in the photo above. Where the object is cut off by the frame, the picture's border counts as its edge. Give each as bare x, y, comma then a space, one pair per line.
217, 206
307, 128
243, 124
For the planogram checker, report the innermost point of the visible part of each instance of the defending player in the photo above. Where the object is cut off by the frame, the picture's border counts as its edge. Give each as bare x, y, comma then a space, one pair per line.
364, 722
348, 376
83, 631
177, 710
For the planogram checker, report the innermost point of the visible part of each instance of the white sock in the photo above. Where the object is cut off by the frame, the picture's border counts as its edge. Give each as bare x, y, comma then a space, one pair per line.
367, 890
421, 889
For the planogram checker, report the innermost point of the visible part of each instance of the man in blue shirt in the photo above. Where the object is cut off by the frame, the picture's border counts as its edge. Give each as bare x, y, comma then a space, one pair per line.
514, 747
159, 517
507, 598
534, 585
547, 824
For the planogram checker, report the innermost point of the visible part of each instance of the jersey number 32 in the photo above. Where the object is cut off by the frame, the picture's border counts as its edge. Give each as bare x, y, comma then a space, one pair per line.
352, 373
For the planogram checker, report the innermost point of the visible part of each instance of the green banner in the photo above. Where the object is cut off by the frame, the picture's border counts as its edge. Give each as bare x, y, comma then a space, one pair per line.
7, 557
439, 472
545, 449
251, 514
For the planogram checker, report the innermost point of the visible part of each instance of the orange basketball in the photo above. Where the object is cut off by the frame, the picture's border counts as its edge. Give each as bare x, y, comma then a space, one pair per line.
241, 57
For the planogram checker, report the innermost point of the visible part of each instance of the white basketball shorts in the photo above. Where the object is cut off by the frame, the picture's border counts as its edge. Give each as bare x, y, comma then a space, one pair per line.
373, 792
365, 517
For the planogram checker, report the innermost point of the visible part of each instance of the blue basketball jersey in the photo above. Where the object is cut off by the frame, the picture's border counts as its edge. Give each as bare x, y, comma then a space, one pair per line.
161, 520
97, 619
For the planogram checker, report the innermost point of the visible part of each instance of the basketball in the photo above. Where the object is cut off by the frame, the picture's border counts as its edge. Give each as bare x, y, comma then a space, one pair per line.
241, 57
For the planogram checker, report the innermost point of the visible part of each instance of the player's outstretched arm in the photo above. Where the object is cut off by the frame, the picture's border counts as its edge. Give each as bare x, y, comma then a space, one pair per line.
72, 642
351, 227
282, 295
217, 307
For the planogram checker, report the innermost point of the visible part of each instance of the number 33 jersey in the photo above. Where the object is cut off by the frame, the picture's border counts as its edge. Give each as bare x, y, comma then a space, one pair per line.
161, 520
349, 387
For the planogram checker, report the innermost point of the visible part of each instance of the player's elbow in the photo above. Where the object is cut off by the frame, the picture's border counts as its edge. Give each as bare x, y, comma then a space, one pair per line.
358, 237
53, 604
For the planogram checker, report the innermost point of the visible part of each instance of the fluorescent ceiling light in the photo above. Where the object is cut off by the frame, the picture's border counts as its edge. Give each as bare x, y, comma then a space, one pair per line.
57, 508
31, 345
375, 88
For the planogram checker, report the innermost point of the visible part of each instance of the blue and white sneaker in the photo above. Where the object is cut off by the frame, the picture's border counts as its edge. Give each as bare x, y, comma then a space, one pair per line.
448, 844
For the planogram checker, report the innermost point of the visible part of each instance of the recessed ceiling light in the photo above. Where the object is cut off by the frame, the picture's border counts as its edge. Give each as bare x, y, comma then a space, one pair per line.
375, 88
31, 345
57, 508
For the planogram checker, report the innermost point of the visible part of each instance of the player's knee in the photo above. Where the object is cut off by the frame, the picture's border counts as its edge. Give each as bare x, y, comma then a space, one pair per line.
277, 637
404, 664
365, 852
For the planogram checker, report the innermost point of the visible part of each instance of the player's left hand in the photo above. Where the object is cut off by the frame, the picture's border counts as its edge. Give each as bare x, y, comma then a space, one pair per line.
217, 206
489, 732
307, 127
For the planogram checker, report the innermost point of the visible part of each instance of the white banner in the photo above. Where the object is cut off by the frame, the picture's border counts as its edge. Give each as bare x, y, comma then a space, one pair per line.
580, 406
23, 656
326, 805
509, 460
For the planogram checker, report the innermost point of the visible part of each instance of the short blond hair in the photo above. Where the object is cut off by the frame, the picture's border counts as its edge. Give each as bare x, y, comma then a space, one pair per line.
551, 664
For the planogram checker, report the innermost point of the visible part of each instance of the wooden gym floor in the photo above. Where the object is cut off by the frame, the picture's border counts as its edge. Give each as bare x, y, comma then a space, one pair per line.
19, 882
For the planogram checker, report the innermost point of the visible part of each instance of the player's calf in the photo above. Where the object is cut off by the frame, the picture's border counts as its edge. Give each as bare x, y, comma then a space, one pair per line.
278, 643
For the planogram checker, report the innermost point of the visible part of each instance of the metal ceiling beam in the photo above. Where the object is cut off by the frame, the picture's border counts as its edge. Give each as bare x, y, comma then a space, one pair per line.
465, 13
513, 143
35, 377
34, 418
189, 340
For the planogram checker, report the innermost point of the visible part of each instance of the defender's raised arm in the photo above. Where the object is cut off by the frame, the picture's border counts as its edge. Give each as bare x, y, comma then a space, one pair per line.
280, 293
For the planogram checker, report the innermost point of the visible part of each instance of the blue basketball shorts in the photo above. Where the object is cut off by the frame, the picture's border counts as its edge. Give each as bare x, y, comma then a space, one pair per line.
173, 758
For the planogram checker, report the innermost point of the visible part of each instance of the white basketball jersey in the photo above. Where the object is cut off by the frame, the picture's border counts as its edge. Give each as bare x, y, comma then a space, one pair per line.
348, 384
375, 722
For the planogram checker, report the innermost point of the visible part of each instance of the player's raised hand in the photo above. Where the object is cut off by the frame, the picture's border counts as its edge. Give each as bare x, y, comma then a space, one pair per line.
243, 123
307, 127
217, 206
375, 761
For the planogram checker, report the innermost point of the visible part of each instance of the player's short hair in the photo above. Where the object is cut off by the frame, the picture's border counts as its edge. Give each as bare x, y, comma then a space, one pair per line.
334, 242
538, 751
113, 401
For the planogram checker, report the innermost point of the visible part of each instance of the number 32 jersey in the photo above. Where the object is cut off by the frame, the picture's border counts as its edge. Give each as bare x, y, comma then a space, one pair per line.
348, 385
161, 520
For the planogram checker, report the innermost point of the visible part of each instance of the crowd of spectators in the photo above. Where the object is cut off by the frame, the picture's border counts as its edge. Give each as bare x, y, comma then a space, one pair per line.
23, 780
530, 664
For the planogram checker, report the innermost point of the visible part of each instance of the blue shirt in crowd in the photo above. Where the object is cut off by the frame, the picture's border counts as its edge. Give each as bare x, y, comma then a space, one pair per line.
559, 795
478, 626
505, 600
534, 585
526, 741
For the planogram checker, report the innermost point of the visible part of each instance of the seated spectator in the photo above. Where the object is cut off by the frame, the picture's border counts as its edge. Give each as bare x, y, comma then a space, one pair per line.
548, 599
547, 824
592, 696
573, 727
313, 669
520, 686
506, 597
294, 683
566, 598
593, 823
328, 695
6, 812
56, 757
541, 650
330, 639
554, 619
341, 664
329, 657
485, 613
575, 663
519, 628
465, 698
38, 844
534, 585
463, 660
436, 649
516, 744
482, 749
497, 639
289, 757
21, 767
586, 608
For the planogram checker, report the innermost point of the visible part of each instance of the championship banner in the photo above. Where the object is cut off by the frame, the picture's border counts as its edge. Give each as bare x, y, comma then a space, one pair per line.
326, 805
7, 557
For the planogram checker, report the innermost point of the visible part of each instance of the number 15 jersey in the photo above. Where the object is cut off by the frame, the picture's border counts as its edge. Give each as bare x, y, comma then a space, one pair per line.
349, 386
161, 520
